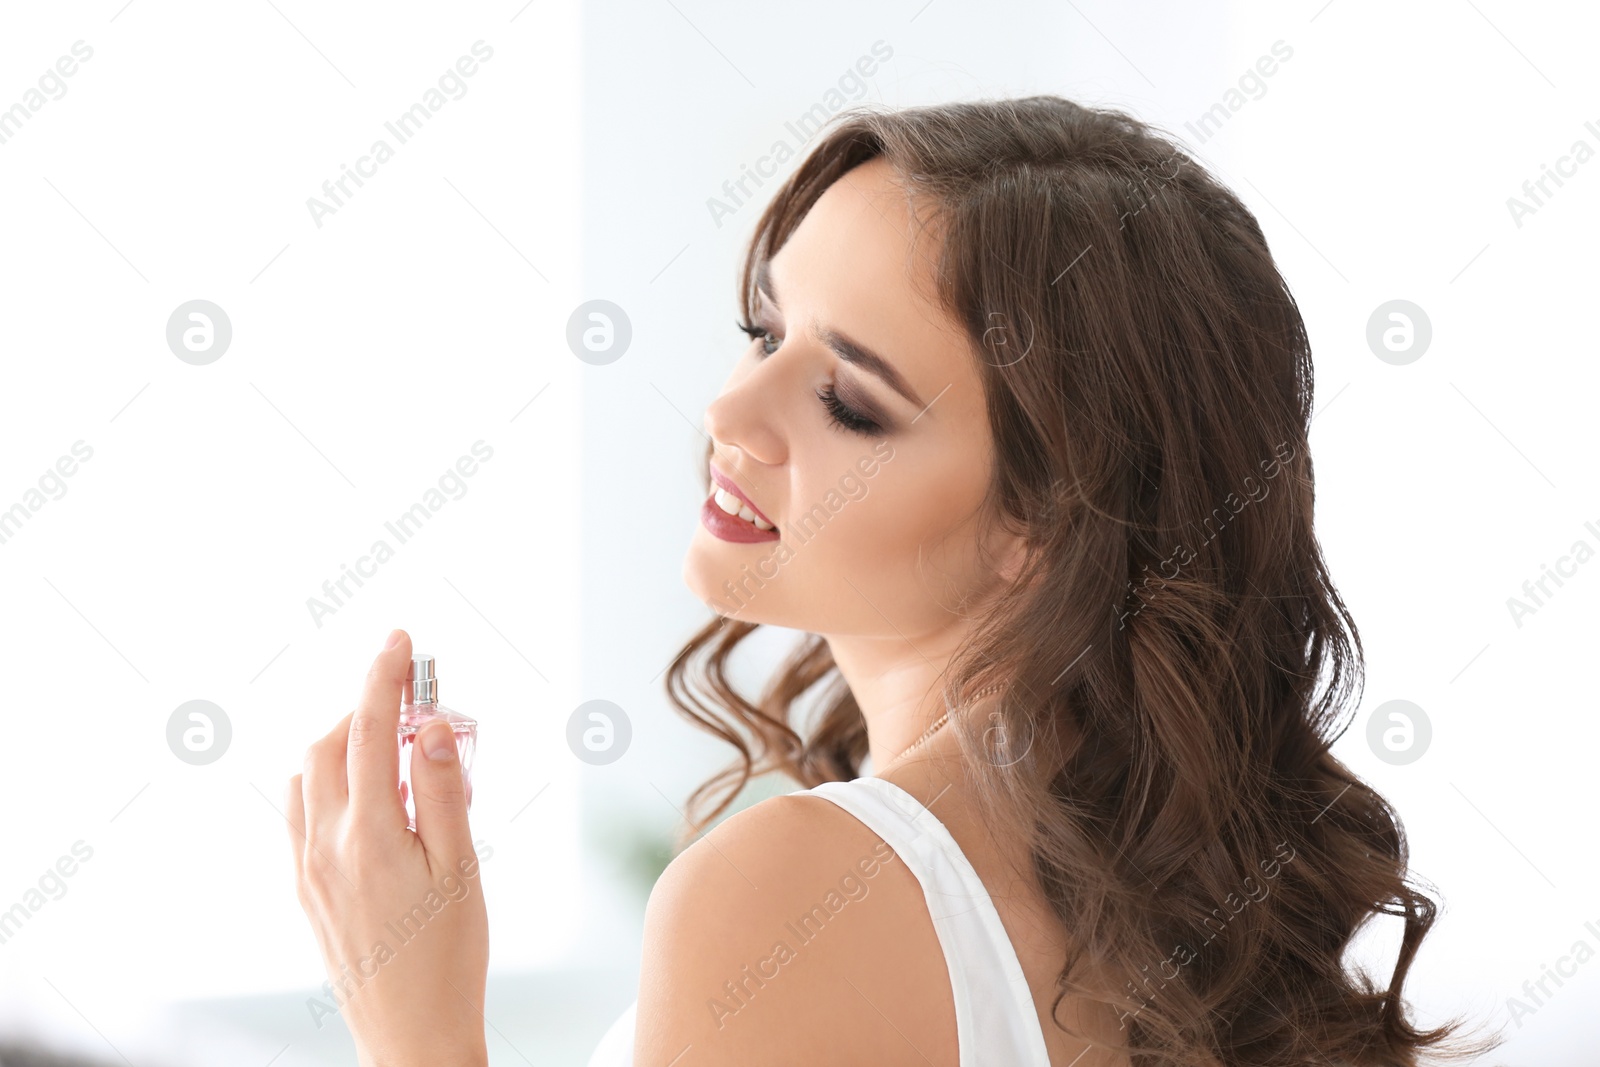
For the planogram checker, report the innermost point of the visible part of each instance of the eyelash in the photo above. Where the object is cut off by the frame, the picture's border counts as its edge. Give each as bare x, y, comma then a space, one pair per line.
840, 414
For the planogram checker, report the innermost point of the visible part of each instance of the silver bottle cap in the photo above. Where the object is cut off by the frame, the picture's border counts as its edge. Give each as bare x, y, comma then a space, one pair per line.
424, 686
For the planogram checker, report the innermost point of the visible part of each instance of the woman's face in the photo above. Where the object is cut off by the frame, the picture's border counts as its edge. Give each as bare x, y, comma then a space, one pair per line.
876, 519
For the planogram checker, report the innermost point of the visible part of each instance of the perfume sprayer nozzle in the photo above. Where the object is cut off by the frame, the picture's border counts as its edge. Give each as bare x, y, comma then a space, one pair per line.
424, 686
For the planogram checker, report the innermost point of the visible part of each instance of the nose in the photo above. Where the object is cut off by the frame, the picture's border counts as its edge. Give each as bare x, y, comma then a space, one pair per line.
746, 416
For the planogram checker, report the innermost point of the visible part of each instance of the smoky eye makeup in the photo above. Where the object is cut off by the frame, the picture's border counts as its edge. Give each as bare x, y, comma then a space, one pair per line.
848, 403
856, 397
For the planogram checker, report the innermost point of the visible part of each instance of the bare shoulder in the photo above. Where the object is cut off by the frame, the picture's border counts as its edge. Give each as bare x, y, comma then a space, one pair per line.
791, 933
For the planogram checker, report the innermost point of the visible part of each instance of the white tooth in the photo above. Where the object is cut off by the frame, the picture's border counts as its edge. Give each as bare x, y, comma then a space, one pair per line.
734, 506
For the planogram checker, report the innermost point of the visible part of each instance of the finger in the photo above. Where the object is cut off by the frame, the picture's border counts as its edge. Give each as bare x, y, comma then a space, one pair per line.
374, 749
441, 797
322, 786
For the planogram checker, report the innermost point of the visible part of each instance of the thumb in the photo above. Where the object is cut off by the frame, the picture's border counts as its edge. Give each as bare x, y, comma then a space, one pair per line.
440, 793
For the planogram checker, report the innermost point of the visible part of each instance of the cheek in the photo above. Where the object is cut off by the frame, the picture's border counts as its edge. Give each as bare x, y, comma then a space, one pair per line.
926, 522
907, 527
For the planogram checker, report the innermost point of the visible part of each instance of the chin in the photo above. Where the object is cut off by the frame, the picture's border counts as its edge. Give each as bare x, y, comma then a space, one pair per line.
703, 574
711, 571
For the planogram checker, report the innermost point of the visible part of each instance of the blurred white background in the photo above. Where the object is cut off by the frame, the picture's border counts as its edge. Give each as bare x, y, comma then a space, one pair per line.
374, 344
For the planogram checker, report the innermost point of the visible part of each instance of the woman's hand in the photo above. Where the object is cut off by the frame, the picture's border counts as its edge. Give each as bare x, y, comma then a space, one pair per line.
399, 915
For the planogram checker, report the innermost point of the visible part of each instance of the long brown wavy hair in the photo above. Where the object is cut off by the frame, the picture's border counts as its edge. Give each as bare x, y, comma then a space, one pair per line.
1176, 658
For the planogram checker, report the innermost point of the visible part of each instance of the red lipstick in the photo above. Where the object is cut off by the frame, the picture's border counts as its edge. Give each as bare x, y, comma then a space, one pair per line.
728, 483
731, 527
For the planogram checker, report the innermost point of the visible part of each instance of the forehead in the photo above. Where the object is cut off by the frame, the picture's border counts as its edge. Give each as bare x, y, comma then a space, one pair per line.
862, 262
864, 224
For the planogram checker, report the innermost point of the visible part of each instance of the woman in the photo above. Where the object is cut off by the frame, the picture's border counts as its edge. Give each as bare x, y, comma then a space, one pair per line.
1019, 442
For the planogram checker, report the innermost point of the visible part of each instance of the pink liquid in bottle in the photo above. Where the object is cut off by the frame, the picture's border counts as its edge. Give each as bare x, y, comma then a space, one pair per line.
422, 709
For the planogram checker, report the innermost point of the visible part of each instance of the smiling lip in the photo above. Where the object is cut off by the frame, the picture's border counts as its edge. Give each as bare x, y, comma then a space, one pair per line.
727, 483
727, 527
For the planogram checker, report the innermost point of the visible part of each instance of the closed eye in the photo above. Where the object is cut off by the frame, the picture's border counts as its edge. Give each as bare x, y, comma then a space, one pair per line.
840, 415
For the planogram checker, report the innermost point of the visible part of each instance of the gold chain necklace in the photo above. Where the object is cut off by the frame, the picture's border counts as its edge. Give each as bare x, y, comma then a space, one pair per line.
941, 720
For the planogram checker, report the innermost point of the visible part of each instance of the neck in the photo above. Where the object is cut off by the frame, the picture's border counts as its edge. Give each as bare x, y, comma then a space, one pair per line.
897, 686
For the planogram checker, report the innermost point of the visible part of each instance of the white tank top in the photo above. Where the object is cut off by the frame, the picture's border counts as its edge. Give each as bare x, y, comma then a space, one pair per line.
996, 1021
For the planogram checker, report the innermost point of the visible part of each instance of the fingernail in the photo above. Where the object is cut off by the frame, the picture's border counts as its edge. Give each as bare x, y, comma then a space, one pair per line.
438, 741
394, 639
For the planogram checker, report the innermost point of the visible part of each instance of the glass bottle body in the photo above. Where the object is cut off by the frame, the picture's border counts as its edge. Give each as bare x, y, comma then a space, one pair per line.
413, 717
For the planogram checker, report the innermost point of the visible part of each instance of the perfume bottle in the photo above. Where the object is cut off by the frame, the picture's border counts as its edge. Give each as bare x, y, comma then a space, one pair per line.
423, 708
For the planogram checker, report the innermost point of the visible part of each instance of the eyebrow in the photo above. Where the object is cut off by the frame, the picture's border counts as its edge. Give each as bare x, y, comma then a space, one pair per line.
846, 349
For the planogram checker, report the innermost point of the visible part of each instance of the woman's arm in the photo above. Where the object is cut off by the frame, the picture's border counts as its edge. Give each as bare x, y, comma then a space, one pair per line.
399, 915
